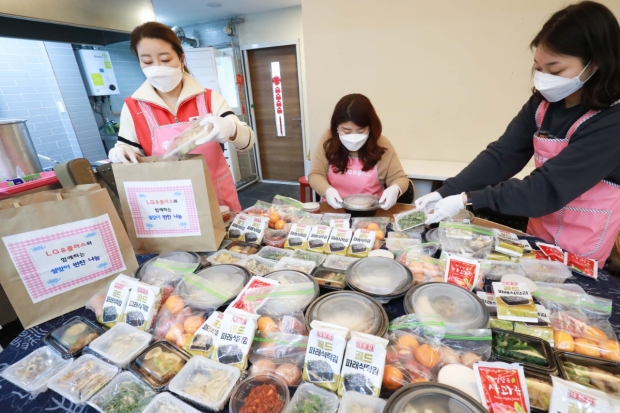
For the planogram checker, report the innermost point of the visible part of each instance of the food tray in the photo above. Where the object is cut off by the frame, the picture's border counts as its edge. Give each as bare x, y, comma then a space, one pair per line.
537, 375
134, 400
409, 219
338, 262
364, 403
495, 270
309, 391
229, 278
360, 202
546, 271
167, 403
332, 282
289, 263
257, 265
541, 346
62, 339
608, 366
318, 259
129, 340
275, 237
88, 368
380, 278
34, 371
242, 391
245, 248
221, 255
199, 370
158, 376
274, 254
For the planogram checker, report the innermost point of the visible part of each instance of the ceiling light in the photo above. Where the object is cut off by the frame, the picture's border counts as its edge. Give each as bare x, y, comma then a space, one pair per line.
214, 4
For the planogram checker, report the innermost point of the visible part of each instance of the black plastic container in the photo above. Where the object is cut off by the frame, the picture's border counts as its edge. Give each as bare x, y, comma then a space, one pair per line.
246, 248
54, 338
327, 283
541, 345
564, 357
538, 375
140, 361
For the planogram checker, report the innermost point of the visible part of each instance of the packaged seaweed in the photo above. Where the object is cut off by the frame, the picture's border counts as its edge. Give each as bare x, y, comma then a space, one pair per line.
109, 303
142, 306
202, 342
339, 241
232, 346
323, 362
514, 302
319, 235
508, 243
362, 243
298, 237
364, 362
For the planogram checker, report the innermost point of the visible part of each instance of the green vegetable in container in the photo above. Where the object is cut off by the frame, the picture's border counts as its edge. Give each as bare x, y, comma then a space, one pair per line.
410, 219
513, 347
311, 404
127, 397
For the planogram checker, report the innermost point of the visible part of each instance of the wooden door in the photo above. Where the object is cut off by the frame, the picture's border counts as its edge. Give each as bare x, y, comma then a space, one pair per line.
281, 157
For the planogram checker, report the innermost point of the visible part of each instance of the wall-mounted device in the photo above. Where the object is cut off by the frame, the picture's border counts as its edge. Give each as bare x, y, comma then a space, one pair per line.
97, 72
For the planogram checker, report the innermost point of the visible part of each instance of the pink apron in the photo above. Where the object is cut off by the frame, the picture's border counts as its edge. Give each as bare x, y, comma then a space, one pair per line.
355, 180
588, 225
218, 168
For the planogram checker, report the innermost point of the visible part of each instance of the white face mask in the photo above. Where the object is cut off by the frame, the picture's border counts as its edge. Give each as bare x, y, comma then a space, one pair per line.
555, 88
353, 141
163, 78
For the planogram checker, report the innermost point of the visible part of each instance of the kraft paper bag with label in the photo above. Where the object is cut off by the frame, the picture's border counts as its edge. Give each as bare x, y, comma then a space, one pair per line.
58, 248
169, 205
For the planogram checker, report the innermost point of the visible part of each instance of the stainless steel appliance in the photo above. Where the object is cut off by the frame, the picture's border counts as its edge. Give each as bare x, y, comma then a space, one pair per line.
16, 150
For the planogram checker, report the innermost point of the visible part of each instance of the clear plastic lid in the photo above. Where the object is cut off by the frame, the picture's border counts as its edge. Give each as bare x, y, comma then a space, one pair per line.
348, 309
205, 382
74, 335
289, 277
85, 377
458, 307
225, 257
159, 364
167, 403
34, 371
273, 253
252, 392
229, 278
432, 235
546, 271
245, 248
360, 202
409, 219
289, 263
494, 270
353, 401
381, 254
121, 344
328, 216
432, 397
176, 256
329, 278
338, 262
257, 265
125, 393
318, 259
378, 276
310, 394
275, 236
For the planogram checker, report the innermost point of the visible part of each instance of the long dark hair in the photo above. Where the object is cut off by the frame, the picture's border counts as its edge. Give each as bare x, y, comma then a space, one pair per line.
155, 30
589, 31
357, 109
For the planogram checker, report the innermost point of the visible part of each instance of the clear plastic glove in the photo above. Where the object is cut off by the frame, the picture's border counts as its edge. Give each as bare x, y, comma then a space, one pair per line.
447, 207
428, 202
333, 198
389, 197
123, 154
221, 129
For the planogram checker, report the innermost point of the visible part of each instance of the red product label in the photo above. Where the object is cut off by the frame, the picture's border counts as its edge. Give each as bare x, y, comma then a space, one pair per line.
541, 256
503, 390
325, 335
239, 320
366, 346
554, 253
462, 273
583, 266
581, 398
240, 303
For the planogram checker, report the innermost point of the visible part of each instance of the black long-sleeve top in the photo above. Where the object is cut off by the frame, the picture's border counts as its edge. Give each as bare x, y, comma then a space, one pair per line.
592, 155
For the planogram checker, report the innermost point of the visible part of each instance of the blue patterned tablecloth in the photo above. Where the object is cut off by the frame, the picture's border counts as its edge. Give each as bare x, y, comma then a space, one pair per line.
15, 400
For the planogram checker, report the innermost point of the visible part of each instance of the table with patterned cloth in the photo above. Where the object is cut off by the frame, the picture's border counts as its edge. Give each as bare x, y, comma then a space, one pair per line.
15, 400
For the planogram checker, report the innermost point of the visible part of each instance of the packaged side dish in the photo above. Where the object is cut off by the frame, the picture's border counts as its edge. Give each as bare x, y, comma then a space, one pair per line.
226, 257
247, 228
337, 262
317, 259
364, 362
331, 279
494, 270
466, 240
185, 142
125, 393
263, 392
508, 243
290, 263
530, 351
142, 306
239, 304
514, 302
70, 338
502, 387
205, 382
409, 219
167, 403
166, 270
34, 371
355, 402
280, 354
590, 372
465, 347
273, 253
323, 362
110, 302
546, 271
312, 399
159, 364
257, 265
121, 344
539, 387
319, 235
246, 248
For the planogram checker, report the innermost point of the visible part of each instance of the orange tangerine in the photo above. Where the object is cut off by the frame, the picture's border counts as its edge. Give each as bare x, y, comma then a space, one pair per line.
408, 341
393, 378
587, 347
372, 227
610, 350
563, 341
274, 217
280, 224
426, 356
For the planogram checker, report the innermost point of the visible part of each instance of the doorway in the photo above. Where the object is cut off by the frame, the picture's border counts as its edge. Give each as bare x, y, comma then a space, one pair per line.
276, 105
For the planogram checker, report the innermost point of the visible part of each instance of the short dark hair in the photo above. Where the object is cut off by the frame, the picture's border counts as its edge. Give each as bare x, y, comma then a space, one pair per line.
589, 31
155, 30
357, 109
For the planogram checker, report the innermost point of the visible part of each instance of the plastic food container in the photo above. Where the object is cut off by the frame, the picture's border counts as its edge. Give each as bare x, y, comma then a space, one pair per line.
432, 235
245, 388
350, 309
361, 205
228, 277
167, 403
409, 219
225, 211
546, 271
338, 262
328, 216
34, 371
330, 279
124, 392
285, 277
289, 263
380, 278
149, 274
318, 259
459, 308
257, 265
431, 397
121, 344
310, 219
353, 401
536, 404
381, 254
205, 382
589, 371
312, 207
69, 383
70, 338
225, 257
308, 391
275, 238
159, 364
371, 224
273, 253
548, 365
494, 270
245, 248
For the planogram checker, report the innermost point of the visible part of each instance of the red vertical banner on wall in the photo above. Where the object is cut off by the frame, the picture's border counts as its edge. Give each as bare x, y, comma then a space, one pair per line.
278, 105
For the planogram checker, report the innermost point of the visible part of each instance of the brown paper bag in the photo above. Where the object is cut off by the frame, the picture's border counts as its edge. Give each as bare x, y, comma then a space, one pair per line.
58, 248
169, 205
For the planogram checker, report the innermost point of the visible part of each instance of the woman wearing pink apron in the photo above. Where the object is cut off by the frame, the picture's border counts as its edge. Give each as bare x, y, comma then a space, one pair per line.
168, 102
571, 127
354, 158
